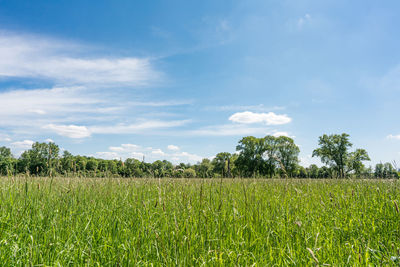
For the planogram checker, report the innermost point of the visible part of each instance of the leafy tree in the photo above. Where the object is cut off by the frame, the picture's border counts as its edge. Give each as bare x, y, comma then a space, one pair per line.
324, 172
80, 164
204, 169
250, 159
333, 151
92, 165
189, 173
269, 150
355, 160
67, 162
389, 171
301, 172
132, 168
263, 156
222, 164
379, 170
313, 171
6, 161
41, 159
287, 153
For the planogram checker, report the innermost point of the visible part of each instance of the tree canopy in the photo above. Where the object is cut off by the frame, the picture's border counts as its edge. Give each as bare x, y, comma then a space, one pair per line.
267, 156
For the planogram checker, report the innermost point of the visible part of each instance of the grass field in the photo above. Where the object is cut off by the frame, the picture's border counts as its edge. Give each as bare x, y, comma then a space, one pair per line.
64, 221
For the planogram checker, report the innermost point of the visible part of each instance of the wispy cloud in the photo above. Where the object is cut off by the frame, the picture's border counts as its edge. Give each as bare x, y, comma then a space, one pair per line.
150, 154
301, 22
71, 131
173, 147
77, 112
26, 144
5, 138
136, 127
62, 63
396, 137
269, 118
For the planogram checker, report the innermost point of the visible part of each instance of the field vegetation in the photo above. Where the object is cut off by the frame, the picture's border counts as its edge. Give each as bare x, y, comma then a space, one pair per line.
265, 157
77, 210
186, 222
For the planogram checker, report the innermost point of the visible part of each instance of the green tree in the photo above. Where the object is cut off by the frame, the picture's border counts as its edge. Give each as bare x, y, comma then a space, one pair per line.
67, 162
41, 159
287, 153
379, 170
269, 152
333, 151
6, 161
222, 164
204, 169
92, 165
189, 173
313, 171
355, 160
250, 160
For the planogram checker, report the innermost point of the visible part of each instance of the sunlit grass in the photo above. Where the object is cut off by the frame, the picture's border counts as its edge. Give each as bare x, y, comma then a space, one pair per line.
65, 221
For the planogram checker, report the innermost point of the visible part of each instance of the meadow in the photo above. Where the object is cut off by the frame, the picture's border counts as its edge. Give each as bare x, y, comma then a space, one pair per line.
186, 222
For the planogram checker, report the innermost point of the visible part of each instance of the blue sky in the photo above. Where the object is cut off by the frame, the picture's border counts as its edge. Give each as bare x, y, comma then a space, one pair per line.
183, 80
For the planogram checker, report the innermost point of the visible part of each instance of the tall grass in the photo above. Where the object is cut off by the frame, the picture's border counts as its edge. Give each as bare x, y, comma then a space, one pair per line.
72, 221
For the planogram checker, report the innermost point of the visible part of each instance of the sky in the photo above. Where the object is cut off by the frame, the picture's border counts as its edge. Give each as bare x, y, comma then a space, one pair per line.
185, 80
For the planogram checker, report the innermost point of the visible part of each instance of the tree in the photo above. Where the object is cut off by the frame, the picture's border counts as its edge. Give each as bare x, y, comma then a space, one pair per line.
263, 156
313, 171
204, 169
269, 151
250, 159
132, 168
355, 161
379, 170
91, 165
287, 154
6, 161
333, 151
189, 173
67, 162
40, 159
221, 164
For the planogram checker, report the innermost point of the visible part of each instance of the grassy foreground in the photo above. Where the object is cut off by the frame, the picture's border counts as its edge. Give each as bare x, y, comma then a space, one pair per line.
194, 222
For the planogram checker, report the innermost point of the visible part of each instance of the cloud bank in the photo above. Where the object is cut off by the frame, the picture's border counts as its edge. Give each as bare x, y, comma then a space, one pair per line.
269, 118
62, 62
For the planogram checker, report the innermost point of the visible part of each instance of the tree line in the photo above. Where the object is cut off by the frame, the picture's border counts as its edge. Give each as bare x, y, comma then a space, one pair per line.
268, 156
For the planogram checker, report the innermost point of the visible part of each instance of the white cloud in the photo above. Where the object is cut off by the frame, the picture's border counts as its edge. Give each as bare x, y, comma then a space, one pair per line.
269, 118
60, 109
51, 101
60, 61
75, 131
71, 131
308, 160
4, 138
107, 155
150, 154
158, 152
397, 137
26, 144
188, 156
303, 20
277, 134
173, 148
79, 105
48, 140
137, 127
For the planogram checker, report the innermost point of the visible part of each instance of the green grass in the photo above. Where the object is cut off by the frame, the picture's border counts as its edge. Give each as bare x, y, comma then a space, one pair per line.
198, 222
